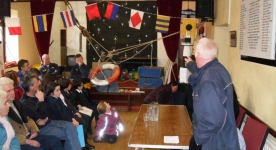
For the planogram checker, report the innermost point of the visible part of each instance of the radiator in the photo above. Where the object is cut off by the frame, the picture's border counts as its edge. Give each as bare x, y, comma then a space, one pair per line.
270, 143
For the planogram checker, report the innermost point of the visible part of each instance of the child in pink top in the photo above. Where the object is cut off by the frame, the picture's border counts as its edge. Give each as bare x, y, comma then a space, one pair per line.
108, 125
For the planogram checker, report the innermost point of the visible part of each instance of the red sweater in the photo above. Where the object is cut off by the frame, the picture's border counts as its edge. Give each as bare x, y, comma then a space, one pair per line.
18, 92
109, 124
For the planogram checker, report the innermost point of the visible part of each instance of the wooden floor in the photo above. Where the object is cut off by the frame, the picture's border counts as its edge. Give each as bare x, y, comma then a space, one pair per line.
128, 118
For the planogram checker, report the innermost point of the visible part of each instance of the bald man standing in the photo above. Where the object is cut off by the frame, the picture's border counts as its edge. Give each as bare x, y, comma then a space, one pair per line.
48, 67
214, 124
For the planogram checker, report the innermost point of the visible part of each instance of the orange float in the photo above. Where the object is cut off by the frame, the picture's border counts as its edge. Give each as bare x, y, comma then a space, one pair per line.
114, 77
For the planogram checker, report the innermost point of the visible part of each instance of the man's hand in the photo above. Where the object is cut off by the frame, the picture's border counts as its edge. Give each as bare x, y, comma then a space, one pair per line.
78, 114
33, 135
75, 122
79, 107
41, 122
80, 63
40, 96
32, 143
187, 60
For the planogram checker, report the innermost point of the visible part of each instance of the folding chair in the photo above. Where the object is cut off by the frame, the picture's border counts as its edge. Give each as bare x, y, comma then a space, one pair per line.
240, 117
254, 134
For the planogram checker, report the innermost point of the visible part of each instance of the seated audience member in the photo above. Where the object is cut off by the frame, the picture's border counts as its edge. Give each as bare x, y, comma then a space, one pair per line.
58, 109
80, 70
82, 98
178, 92
8, 140
65, 95
109, 124
46, 80
36, 72
36, 108
23, 68
161, 94
182, 94
48, 67
18, 91
25, 128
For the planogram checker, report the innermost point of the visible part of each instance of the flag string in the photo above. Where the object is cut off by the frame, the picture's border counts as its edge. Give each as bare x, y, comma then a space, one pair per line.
77, 8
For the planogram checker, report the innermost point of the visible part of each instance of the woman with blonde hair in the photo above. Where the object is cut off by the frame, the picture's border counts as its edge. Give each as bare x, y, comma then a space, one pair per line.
8, 140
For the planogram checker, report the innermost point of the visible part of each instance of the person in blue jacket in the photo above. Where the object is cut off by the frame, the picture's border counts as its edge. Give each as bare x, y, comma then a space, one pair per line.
23, 68
214, 125
48, 67
80, 70
8, 140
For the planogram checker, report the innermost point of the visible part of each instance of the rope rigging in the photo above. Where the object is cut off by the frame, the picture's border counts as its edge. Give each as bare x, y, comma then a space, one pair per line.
111, 53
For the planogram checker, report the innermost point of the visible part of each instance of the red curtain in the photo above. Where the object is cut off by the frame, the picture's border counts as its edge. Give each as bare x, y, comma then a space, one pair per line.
39, 7
171, 8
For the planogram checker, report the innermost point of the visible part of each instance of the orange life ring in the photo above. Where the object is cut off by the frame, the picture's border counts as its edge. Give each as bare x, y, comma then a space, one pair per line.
114, 77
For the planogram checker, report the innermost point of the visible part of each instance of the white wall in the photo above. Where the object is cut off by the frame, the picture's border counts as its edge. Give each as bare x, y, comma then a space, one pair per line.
54, 50
222, 43
73, 32
254, 83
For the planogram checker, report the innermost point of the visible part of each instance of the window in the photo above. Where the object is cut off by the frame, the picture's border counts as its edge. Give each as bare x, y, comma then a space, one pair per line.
11, 47
1, 44
8, 43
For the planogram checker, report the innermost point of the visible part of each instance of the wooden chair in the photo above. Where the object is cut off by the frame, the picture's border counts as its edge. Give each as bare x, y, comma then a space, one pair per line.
240, 118
254, 134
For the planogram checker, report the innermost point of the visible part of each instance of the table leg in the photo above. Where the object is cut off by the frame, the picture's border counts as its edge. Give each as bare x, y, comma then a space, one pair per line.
129, 102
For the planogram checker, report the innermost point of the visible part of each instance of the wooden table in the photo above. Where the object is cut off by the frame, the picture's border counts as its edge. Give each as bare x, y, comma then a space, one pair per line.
173, 121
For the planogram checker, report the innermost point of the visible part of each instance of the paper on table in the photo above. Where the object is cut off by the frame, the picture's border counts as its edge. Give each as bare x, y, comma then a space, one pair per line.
86, 111
171, 139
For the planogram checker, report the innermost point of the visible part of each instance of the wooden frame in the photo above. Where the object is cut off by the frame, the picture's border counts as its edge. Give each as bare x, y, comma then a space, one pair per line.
233, 39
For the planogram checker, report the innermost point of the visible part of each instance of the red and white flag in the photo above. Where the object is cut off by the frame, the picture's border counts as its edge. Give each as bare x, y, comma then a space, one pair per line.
136, 18
13, 26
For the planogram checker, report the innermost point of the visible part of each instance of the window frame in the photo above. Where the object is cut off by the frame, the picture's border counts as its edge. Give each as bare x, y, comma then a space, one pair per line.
3, 25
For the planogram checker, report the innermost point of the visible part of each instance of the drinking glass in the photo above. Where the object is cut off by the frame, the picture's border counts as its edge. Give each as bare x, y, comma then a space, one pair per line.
146, 117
